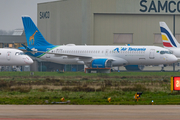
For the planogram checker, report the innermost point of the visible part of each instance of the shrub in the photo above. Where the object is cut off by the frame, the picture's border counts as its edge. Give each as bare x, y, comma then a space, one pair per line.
85, 78
43, 89
108, 83
103, 75
78, 89
4, 85
136, 87
124, 82
165, 80
22, 89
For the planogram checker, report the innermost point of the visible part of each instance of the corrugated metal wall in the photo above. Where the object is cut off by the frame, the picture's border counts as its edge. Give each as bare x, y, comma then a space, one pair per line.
143, 27
96, 21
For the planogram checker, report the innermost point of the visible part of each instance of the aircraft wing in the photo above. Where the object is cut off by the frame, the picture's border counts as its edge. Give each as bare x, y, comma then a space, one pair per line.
82, 57
58, 54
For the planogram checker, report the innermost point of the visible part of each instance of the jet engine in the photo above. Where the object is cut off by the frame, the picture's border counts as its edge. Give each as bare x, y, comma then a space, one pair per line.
134, 67
101, 63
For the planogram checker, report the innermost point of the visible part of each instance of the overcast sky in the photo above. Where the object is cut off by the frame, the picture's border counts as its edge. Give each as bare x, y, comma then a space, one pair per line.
12, 10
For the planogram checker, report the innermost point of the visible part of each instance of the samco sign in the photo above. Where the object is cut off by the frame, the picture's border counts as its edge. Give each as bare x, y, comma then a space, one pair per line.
157, 6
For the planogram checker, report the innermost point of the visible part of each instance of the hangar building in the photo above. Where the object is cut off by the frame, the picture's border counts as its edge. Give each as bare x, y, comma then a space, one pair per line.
107, 22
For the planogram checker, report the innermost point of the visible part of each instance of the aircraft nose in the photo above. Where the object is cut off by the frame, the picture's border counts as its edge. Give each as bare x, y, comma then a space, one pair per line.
28, 60
172, 59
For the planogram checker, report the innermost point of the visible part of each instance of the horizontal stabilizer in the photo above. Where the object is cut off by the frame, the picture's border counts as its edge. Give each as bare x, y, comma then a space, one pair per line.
28, 49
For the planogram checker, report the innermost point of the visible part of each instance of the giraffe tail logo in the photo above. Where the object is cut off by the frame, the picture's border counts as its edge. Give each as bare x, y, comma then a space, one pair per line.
33, 35
31, 38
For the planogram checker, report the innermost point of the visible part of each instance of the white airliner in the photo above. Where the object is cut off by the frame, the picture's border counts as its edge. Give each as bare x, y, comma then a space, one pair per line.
13, 56
169, 41
90, 55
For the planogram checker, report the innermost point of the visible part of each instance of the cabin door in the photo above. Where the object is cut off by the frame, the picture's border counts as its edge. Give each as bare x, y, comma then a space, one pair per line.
151, 54
8, 55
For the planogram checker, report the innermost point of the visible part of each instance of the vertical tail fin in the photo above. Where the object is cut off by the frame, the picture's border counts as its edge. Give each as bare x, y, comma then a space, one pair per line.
169, 41
33, 35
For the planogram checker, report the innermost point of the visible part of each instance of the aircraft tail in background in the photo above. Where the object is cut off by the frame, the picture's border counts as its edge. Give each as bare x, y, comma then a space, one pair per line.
169, 41
33, 35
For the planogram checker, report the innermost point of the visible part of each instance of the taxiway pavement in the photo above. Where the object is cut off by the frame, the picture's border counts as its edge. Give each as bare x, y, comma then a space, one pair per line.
123, 112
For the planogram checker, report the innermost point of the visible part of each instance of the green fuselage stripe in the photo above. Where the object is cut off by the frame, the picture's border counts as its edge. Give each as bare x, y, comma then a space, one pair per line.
47, 51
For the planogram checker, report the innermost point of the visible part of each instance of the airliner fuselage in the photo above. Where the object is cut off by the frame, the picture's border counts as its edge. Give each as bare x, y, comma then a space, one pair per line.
120, 55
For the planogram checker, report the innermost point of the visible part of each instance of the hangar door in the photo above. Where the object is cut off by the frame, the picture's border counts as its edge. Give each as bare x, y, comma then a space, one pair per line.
120, 29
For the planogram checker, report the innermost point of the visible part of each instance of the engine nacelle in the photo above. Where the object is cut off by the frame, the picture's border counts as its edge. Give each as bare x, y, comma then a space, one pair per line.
119, 62
134, 67
101, 63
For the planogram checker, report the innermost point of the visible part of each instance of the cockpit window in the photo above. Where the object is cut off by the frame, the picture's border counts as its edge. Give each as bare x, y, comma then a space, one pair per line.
165, 52
19, 53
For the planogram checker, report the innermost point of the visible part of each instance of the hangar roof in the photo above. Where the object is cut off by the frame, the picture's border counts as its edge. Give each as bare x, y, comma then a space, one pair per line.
17, 37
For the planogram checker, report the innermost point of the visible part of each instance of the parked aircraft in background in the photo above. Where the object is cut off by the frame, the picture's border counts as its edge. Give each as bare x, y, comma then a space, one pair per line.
91, 55
13, 56
169, 41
